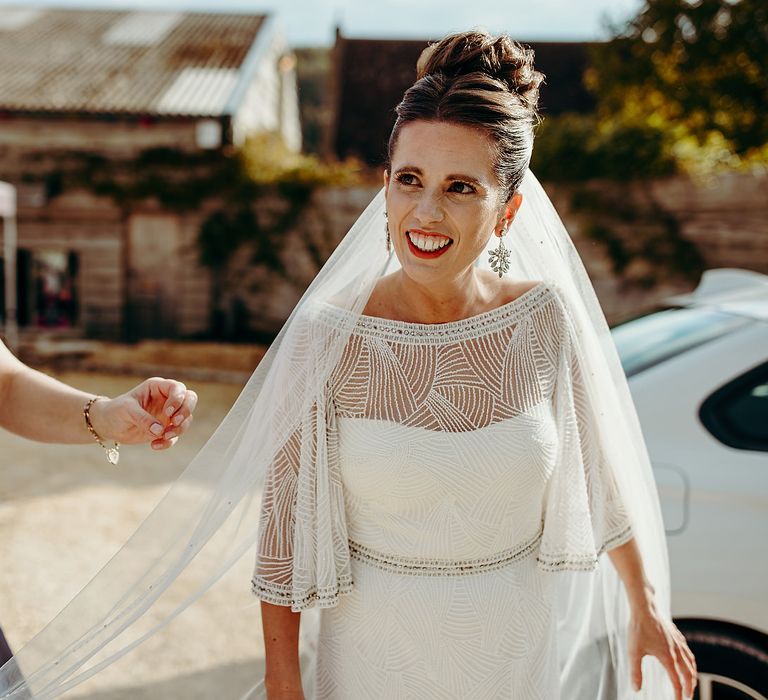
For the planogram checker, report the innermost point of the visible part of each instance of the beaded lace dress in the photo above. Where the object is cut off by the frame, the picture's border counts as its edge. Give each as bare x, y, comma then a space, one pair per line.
462, 470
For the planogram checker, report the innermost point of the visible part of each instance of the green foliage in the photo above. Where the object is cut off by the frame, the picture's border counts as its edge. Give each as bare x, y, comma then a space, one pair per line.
574, 147
266, 169
696, 70
237, 180
177, 180
222, 232
267, 161
683, 87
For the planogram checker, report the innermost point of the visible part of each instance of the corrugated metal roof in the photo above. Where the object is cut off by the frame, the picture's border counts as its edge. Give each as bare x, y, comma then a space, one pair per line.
94, 62
17, 17
198, 91
142, 28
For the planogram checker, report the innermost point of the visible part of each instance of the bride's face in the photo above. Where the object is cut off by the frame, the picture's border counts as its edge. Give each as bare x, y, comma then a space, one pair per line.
443, 199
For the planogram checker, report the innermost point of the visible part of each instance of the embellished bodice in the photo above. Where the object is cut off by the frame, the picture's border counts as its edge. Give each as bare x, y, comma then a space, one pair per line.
441, 449
445, 444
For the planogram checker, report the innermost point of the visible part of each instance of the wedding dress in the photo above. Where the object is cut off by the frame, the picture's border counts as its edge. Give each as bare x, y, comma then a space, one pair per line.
444, 439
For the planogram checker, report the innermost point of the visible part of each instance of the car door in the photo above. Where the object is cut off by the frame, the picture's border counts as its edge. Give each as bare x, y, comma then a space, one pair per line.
714, 495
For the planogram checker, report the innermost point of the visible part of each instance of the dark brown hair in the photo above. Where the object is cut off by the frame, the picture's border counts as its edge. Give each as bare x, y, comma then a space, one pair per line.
481, 81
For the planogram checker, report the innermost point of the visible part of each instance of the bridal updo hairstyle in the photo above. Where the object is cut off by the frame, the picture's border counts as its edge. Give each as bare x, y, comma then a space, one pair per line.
485, 82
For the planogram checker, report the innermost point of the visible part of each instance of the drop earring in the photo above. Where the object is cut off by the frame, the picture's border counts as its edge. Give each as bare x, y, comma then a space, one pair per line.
499, 257
386, 226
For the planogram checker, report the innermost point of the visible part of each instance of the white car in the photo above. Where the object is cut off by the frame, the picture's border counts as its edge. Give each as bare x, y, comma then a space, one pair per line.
698, 372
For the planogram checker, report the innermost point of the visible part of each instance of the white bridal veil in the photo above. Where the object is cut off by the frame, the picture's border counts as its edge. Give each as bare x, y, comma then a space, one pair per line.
209, 519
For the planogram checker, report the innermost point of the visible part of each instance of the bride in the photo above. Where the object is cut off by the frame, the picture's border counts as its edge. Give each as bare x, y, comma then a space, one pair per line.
440, 466
446, 409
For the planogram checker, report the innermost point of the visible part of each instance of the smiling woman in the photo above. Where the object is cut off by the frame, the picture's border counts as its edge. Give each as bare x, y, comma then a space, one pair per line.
459, 491
434, 211
441, 468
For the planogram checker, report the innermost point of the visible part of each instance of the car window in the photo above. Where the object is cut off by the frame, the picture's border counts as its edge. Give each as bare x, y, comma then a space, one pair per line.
737, 413
649, 340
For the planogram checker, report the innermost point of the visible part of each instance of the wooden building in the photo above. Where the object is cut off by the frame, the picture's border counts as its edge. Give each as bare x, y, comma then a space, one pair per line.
111, 85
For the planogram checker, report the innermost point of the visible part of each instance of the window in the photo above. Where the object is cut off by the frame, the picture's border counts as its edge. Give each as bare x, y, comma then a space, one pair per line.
650, 340
46, 283
54, 277
737, 413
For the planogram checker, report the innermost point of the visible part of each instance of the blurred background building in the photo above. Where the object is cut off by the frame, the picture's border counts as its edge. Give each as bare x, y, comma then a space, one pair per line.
362, 117
86, 93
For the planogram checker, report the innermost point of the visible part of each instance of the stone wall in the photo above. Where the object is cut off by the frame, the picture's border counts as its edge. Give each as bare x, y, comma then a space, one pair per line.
22, 138
261, 298
669, 230
140, 273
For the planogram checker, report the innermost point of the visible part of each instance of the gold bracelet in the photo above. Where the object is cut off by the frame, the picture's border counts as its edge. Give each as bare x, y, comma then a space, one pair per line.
113, 453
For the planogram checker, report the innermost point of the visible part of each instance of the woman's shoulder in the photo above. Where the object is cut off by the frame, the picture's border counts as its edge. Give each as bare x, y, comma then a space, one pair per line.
511, 290
534, 295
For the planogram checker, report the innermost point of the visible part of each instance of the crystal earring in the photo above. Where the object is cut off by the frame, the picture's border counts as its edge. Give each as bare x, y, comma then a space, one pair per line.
499, 258
386, 226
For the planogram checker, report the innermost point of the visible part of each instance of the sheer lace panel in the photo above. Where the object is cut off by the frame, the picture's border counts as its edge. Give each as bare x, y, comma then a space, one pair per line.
450, 377
303, 556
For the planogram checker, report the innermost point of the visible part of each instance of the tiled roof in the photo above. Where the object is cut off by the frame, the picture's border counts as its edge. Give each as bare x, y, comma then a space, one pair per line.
373, 74
145, 63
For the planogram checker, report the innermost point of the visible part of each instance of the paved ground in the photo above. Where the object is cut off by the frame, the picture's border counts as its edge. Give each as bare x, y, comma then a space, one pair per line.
65, 510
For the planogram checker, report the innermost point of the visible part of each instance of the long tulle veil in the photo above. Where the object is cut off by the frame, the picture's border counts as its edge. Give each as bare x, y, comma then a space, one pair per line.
209, 519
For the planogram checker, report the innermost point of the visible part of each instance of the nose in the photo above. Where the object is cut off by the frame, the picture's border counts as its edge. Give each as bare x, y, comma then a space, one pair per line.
428, 208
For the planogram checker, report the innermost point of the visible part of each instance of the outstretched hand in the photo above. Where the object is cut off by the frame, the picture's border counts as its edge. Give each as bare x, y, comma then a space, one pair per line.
652, 634
157, 411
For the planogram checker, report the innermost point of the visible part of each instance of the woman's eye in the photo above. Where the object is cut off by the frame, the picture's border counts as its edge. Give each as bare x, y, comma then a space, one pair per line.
407, 179
461, 187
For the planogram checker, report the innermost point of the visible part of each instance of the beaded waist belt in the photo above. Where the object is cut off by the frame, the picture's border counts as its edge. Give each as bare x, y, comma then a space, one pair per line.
418, 566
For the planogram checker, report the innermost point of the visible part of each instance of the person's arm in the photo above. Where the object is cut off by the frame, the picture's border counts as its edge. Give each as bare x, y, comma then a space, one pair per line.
282, 677
651, 633
41, 408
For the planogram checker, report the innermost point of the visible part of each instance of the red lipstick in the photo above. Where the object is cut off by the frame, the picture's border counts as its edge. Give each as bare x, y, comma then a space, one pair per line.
426, 254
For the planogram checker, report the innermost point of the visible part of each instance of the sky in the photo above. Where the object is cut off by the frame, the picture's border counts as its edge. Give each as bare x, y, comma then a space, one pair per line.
313, 22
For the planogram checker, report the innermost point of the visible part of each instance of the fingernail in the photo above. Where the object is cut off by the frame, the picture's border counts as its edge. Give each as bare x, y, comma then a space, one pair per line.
170, 434
170, 411
178, 419
156, 429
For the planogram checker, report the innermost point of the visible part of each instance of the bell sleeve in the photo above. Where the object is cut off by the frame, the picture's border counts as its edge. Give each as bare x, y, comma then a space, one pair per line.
584, 513
302, 557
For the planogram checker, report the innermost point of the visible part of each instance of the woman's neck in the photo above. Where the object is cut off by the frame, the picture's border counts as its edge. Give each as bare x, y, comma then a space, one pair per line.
460, 298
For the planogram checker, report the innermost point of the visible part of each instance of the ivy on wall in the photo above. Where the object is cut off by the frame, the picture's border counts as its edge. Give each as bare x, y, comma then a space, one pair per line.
579, 147
257, 193
238, 180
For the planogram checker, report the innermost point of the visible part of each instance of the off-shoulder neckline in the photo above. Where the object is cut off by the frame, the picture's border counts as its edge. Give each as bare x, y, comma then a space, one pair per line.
471, 326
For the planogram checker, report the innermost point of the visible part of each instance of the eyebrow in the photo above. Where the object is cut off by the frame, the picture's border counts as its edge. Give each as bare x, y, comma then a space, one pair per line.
455, 176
